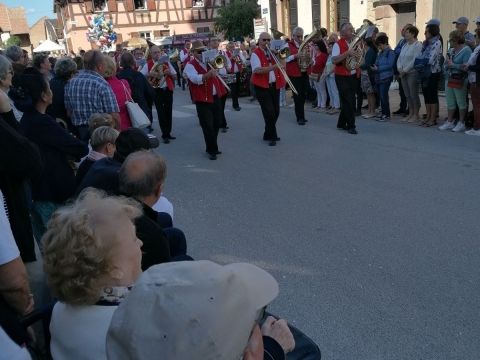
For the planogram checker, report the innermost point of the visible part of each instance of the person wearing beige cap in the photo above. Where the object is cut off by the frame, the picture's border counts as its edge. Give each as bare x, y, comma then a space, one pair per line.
206, 90
462, 24
199, 310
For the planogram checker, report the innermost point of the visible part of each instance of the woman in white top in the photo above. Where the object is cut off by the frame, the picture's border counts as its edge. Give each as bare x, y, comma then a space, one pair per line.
407, 72
92, 257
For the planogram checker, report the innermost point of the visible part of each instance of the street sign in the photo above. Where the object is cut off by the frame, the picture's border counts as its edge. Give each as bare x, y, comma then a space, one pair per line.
259, 26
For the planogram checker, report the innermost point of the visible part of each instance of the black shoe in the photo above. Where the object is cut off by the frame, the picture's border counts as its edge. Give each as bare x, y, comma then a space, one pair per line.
224, 130
218, 152
272, 143
212, 156
344, 127
301, 122
352, 131
238, 108
150, 129
166, 141
365, 107
358, 113
170, 137
399, 112
277, 139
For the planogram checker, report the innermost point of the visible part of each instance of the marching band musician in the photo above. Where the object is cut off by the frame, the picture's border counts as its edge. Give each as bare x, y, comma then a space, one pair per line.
206, 90
163, 78
267, 80
213, 45
298, 75
237, 60
345, 79
185, 57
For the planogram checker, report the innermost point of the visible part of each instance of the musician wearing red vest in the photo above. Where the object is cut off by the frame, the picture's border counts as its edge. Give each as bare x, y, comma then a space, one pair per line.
298, 76
345, 79
165, 83
237, 61
267, 81
206, 90
184, 59
213, 45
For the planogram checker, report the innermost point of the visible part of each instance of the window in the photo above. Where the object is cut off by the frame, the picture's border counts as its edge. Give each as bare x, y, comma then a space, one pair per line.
147, 35
293, 14
273, 14
100, 5
140, 4
204, 29
198, 3
316, 13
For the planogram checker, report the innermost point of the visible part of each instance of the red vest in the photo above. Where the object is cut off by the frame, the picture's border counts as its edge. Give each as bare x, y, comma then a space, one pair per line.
232, 61
340, 68
187, 58
169, 80
293, 70
204, 92
262, 80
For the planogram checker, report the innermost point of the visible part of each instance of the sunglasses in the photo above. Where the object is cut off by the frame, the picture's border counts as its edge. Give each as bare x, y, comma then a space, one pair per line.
266, 39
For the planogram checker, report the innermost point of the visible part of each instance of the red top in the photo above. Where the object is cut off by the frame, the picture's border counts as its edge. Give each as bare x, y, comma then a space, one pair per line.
232, 61
340, 68
262, 80
122, 92
293, 70
320, 62
204, 92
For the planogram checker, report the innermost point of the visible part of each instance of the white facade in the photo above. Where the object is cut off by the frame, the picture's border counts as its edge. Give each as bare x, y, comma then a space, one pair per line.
305, 15
358, 12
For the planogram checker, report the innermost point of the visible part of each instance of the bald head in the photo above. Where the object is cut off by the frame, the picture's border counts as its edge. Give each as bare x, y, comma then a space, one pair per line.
94, 60
142, 174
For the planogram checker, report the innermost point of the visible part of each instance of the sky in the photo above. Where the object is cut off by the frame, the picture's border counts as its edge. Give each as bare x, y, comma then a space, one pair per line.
34, 9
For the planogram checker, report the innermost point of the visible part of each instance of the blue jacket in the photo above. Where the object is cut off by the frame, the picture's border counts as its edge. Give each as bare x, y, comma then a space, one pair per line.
385, 62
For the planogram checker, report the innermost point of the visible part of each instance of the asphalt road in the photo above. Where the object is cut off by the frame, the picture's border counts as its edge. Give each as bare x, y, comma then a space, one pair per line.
373, 238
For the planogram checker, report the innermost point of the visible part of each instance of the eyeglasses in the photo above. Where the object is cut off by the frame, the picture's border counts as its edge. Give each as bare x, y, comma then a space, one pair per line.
266, 39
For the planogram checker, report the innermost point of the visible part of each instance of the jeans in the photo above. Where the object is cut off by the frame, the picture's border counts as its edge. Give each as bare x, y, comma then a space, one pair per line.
321, 88
333, 92
383, 87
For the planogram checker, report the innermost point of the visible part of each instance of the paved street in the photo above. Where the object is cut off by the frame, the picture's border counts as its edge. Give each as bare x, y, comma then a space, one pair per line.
373, 238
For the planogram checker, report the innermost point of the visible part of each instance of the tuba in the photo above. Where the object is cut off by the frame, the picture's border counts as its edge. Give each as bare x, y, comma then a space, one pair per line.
304, 56
353, 62
158, 68
174, 56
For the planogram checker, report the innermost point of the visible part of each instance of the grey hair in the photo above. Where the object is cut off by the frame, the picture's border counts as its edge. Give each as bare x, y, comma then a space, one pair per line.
103, 135
14, 53
342, 27
65, 67
5, 67
141, 172
297, 30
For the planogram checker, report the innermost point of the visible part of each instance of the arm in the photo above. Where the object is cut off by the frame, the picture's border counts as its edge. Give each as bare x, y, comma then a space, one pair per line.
257, 66
110, 104
390, 62
172, 73
337, 58
14, 286
54, 135
416, 51
436, 51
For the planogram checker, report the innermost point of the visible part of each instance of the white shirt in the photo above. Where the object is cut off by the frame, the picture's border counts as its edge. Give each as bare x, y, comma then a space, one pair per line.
255, 63
407, 56
10, 350
183, 55
228, 65
163, 84
336, 52
235, 66
8, 246
194, 76
163, 205
80, 332
292, 57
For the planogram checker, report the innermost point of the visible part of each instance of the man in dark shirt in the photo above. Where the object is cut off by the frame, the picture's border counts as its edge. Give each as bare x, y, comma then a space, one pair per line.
141, 177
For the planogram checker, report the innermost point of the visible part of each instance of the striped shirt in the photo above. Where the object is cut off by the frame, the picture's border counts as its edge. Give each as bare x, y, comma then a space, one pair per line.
86, 94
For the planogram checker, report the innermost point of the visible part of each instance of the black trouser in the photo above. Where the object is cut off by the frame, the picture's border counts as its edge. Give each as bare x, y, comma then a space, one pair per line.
403, 98
163, 104
235, 89
177, 70
301, 84
346, 89
269, 100
359, 95
223, 119
210, 118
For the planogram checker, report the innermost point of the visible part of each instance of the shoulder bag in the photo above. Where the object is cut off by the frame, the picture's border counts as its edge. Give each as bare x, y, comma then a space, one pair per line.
137, 116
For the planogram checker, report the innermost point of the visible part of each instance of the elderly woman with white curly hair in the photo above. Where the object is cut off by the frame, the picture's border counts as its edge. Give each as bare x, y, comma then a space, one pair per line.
92, 258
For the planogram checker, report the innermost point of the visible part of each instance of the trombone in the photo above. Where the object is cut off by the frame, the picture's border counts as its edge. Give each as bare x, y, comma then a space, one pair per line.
215, 63
279, 65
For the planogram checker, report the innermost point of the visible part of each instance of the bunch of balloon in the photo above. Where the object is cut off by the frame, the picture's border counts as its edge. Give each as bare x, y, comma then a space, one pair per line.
101, 32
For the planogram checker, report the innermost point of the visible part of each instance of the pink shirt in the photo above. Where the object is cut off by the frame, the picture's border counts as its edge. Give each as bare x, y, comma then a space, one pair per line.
122, 92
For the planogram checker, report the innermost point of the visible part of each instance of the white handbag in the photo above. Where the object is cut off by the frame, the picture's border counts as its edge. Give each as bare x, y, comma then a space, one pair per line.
137, 116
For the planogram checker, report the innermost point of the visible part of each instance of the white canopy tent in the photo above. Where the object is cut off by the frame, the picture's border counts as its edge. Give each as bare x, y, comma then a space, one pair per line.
48, 46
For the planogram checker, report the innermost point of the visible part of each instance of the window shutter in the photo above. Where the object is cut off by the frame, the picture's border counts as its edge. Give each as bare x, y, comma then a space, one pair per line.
112, 5
151, 5
188, 3
129, 5
88, 6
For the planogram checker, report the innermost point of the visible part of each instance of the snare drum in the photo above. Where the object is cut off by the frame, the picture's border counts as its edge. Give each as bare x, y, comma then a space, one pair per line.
229, 78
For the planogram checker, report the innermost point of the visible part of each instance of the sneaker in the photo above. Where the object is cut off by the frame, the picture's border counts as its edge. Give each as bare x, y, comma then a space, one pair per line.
447, 125
384, 118
368, 116
459, 128
473, 132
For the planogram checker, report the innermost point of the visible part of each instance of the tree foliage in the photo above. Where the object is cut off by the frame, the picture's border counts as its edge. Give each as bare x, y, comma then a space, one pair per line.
13, 40
235, 20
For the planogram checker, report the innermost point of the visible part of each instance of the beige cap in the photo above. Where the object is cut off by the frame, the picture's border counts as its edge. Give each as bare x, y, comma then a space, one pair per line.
190, 310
